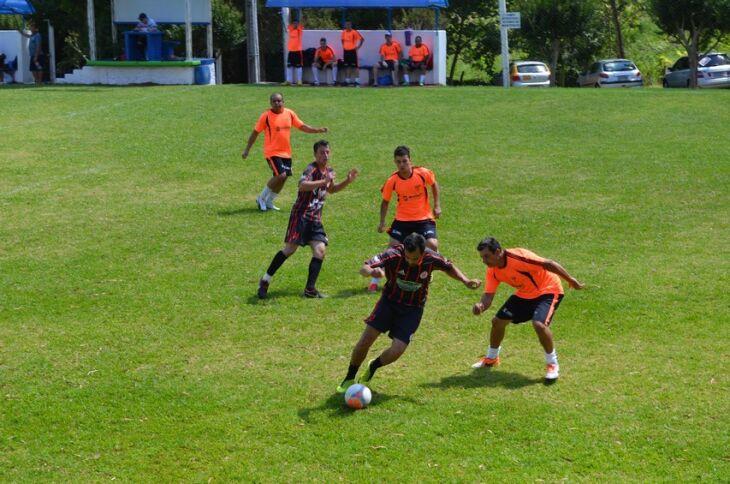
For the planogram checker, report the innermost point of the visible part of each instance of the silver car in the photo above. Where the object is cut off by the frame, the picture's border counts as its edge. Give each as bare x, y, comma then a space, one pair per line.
713, 70
527, 74
611, 73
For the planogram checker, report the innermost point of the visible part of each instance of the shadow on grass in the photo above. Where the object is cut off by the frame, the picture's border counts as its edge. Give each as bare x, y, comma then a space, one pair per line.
486, 378
238, 211
254, 298
335, 405
350, 292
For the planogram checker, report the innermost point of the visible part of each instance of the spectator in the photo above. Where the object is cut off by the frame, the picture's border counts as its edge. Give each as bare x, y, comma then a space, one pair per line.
324, 58
418, 56
352, 40
35, 48
145, 24
390, 54
295, 59
2, 67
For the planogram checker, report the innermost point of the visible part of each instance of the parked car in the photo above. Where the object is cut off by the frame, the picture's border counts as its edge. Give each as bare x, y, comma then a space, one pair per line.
527, 74
611, 73
713, 70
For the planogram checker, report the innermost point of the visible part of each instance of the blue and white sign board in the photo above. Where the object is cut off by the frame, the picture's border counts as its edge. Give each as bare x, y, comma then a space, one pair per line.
162, 11
510, 20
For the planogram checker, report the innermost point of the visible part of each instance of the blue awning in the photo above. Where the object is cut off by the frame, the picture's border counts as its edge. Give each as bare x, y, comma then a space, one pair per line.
358, 3
16, 7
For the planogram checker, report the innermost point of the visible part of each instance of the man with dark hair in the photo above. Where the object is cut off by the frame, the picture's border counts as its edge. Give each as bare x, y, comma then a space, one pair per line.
276, 123
418, 56
390, 54
295, 58
538, 296
305, 222
352, 40
413, 212
324, 58
408, 270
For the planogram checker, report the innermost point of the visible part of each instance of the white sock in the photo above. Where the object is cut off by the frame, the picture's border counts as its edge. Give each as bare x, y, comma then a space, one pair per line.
315, 74
493, 352
551, 358
406, 78
347, 80
422, 79
299, 74
265, 193
334, 74
271, 197
267, 277
289, 74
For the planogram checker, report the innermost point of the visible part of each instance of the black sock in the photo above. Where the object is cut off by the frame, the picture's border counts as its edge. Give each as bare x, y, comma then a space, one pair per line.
277, 261
351, 372
374, 365
315, 265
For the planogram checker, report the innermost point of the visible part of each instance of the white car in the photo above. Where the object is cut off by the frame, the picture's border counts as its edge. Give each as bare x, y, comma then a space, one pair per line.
713, 70
611, 73
527, 74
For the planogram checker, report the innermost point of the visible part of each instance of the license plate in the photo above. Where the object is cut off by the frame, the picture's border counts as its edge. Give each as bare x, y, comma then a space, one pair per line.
623, 78
526, 78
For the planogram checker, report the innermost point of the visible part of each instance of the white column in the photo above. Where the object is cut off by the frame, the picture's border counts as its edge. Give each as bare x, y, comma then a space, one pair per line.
285, 36
114, 26
188, 32
505, 44
92, 28
252, 29
51, 52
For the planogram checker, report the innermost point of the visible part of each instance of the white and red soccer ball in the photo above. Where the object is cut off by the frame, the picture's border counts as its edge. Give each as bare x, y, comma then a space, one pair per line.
358, 396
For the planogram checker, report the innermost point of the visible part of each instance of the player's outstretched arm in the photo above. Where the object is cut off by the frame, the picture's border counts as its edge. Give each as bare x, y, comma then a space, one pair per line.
351, 175
251, 141
483, 303
308, 129
455, 273
552, 266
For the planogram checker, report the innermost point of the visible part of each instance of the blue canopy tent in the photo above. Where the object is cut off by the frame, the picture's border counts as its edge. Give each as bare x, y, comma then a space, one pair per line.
16, 7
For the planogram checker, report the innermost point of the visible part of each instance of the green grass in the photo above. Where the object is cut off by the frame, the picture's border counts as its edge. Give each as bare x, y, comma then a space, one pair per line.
132, 346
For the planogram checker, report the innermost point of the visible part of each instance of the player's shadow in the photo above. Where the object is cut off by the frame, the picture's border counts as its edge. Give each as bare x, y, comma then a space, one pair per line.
237, 211
335, 406
272, 295
484, 377
350, 292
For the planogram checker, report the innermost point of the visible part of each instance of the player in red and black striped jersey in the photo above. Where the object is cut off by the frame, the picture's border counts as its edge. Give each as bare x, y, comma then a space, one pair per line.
408, 269
305, 222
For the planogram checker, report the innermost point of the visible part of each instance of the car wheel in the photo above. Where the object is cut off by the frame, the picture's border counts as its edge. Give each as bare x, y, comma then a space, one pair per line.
665, 84
688, 83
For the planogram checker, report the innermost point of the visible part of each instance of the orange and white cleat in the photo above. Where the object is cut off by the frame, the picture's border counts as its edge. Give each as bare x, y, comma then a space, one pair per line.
486, 362
551, 371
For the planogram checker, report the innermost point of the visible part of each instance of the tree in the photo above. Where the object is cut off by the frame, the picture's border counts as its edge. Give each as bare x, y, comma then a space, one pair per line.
550, 27
697, 25
472, 32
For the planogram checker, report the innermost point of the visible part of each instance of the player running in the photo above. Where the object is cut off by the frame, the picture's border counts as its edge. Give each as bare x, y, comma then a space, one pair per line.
538, 296
276, 124
408, 270
305, 222
413, 212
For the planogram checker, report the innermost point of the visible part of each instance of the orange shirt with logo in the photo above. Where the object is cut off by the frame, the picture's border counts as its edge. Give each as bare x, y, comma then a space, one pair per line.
351, 39
525, 272
390, 52
418, 54
412, 193
326, 54
277, 131
295, 37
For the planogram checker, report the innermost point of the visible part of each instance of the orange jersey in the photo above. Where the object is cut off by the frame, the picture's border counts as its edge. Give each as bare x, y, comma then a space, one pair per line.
524, 271
412, 194
326, 54
295, 37
390, 52
277, 131
418, 54
351, 39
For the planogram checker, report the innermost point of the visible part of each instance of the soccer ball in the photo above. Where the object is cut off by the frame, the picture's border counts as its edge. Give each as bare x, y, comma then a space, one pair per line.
358, 396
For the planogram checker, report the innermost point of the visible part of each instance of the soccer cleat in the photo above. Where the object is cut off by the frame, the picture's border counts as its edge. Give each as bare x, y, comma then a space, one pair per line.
551, 371
261, 203
372, 287
263, 289
271, 206
285, 83
486, 362
367, 375
313, 293
342, 388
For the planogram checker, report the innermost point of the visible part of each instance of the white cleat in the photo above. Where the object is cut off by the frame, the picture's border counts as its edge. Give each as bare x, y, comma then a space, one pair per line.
261, 203
552, 371
271, 206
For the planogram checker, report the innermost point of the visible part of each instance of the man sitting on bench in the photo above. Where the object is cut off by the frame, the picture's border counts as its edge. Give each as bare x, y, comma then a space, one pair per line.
417, 61
390, 53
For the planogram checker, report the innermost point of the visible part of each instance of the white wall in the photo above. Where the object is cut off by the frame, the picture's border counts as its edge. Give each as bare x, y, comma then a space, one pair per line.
368, 53
13, 44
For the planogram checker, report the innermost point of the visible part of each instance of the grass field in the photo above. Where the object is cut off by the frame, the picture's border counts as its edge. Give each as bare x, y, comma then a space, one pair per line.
132, 346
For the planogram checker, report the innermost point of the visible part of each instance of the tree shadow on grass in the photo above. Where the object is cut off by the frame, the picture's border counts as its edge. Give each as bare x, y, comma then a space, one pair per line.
335, 405
486, 378
343, 293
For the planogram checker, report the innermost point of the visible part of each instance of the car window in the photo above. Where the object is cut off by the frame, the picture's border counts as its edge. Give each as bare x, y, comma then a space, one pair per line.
713, 60
619, 66
682, 63
531, 69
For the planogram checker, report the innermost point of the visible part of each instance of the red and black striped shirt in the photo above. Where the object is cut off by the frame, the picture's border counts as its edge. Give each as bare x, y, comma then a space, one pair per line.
308, 205
405, 284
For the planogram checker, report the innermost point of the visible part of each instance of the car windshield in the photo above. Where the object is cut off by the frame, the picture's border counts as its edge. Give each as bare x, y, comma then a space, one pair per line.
713, 60
531, 68
619, 66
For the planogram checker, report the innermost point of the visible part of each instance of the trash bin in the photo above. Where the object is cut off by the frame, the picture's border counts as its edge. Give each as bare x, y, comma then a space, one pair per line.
203, 72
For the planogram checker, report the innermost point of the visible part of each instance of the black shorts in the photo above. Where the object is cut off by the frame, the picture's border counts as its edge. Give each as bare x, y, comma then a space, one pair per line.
417, 66
541, 308
295, 58
37, 66
398, 320
302, 231
280, 165
400, 230
321, 65
350, 58
387, 64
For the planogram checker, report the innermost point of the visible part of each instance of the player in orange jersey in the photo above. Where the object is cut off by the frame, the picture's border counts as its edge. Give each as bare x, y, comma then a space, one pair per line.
295, 58
413, 212
418, 56
352, 40
538, 295
324, 58
390, 54
276, 123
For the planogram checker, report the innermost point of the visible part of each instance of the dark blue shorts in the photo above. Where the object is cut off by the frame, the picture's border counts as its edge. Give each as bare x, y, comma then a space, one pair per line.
349, 58
295, 58
541, 308
400, 230
280, 165
396, 319
302, 231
